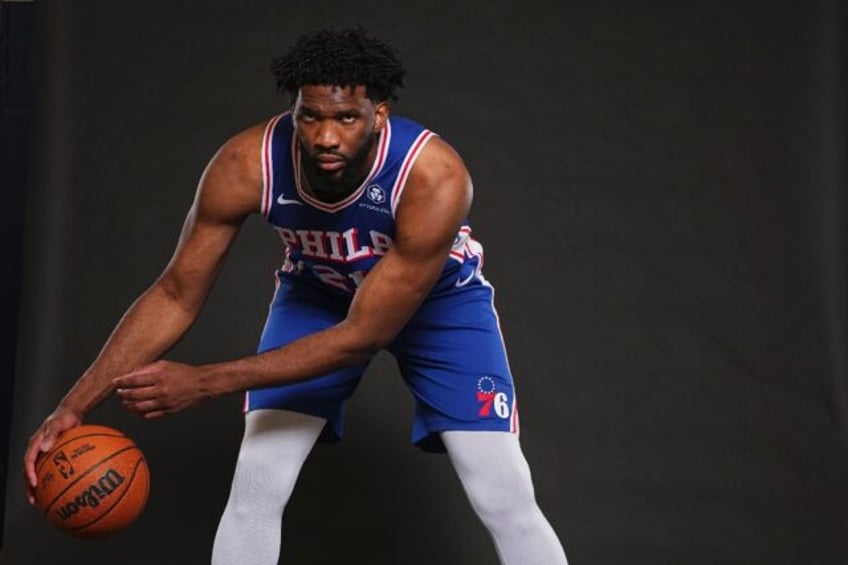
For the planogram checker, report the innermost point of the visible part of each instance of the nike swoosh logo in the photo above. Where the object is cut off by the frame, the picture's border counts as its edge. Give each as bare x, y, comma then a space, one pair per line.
283, 201
463, 282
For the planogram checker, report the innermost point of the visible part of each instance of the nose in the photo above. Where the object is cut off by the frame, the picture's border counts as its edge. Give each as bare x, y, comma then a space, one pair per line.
326, 136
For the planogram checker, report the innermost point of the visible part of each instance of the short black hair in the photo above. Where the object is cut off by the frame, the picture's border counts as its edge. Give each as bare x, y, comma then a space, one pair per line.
347, 58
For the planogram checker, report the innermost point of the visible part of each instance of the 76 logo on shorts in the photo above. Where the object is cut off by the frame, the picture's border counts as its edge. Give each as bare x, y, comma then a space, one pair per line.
490, 398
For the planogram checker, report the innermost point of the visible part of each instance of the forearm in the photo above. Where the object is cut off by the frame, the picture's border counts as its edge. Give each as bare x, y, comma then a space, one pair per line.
151, 326
382, 306
309, 357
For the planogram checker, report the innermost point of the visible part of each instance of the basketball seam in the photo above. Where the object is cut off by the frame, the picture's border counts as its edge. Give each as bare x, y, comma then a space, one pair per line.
55, 447
123, 494
90, 468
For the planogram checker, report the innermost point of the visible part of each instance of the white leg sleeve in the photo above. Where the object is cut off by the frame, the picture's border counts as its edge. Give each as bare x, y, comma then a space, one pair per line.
497, 480
274, 447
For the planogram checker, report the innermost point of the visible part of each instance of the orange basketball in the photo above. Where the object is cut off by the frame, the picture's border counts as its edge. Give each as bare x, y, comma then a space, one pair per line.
94, 482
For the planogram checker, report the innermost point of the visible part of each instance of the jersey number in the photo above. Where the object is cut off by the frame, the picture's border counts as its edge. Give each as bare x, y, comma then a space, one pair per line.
499, 401
332, 277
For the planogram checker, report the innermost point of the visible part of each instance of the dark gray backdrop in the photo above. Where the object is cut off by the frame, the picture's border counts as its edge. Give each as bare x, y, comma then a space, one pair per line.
660, 191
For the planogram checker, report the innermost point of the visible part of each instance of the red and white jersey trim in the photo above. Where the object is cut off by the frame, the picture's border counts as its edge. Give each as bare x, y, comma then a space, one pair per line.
268, 166
406, 166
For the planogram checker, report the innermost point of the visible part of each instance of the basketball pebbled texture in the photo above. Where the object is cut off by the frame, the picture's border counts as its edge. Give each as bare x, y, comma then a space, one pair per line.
94, 482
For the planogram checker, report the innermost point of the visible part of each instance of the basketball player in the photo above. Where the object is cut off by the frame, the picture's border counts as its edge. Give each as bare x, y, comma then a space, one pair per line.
371, 210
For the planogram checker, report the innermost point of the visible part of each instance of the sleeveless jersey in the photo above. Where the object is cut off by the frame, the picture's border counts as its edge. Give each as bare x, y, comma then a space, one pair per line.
333, 246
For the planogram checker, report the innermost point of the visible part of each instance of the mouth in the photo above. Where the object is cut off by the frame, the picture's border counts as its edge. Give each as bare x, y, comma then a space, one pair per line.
329, 163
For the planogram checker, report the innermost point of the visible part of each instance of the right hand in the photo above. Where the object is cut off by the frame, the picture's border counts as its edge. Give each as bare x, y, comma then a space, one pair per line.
42, 440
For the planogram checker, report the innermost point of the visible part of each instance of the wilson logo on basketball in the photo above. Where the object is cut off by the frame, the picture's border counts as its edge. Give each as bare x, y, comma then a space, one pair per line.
91, 496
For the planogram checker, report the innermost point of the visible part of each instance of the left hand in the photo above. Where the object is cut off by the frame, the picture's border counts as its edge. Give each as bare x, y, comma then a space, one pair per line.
161, 388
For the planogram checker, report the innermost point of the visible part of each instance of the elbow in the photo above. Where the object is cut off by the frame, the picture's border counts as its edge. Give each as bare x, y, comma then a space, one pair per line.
178, 294
368, 346
365, 343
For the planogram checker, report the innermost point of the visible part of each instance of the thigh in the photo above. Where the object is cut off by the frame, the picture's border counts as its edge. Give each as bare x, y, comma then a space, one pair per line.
295, 312
453, 359
280, 435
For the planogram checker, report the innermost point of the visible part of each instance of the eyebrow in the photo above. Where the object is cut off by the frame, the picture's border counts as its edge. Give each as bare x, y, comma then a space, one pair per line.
304, 108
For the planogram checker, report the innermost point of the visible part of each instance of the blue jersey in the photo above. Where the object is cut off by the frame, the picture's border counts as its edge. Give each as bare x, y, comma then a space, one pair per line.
334, 246
450, 353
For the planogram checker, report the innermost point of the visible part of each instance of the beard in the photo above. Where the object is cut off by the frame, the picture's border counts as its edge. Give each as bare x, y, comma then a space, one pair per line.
332, 186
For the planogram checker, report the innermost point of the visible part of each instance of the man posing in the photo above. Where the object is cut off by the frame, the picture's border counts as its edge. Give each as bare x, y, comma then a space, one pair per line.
371, 210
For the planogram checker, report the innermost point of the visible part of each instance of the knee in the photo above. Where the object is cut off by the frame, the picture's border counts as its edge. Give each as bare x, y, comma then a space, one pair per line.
260, 482
505, 496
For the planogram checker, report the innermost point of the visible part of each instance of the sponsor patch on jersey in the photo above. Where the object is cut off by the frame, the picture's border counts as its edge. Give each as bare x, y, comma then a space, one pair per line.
376, 194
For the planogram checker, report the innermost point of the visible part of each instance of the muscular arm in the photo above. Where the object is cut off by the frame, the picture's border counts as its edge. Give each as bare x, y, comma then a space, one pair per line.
436, 199
228, 191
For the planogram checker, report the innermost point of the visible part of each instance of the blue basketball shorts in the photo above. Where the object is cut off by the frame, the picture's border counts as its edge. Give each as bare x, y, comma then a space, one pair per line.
451, 356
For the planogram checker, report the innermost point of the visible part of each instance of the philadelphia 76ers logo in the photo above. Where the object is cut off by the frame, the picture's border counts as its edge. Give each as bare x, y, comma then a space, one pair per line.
489, 397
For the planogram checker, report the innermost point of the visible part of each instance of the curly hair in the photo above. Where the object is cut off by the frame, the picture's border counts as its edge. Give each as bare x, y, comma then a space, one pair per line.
346, 58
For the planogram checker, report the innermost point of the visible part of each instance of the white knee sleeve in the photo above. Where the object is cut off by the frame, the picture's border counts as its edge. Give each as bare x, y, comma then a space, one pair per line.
498, 483
274, 447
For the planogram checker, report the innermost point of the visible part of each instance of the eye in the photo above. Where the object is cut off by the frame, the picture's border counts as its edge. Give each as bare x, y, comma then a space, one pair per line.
307, 117
348, 119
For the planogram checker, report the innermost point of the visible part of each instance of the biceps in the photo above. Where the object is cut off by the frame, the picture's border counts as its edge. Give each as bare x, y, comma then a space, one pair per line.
197, 259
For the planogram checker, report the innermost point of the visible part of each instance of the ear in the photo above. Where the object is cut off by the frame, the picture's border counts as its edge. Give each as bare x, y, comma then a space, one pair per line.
381, 116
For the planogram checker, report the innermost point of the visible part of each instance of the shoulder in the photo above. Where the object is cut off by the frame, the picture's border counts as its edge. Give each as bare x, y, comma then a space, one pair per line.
241, 154
435, 158
233, 177
438, 186
438, 163
242, 151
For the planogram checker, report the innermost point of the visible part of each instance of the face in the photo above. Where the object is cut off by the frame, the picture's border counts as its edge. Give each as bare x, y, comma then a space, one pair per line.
337, 129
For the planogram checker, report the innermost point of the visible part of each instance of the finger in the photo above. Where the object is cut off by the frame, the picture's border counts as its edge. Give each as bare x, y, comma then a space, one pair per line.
144, 407
150, 368
35, 448
29, 468
133, 380
136, 394
28, 490
131, 406
40, 443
